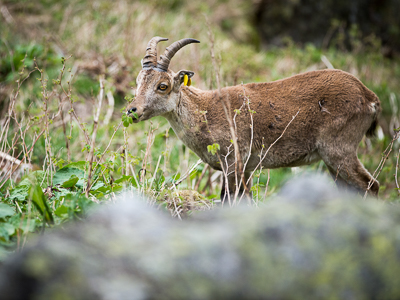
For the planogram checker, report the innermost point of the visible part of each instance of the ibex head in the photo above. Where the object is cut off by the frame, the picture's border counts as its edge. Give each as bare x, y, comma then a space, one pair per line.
157, 90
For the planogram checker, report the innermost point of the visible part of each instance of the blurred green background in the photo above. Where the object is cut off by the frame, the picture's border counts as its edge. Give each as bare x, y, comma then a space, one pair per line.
255, 41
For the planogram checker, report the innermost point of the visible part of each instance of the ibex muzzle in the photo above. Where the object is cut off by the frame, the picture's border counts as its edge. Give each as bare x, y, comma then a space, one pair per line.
335, 110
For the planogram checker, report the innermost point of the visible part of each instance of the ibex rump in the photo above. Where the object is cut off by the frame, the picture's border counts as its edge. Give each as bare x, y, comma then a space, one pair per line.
335, 110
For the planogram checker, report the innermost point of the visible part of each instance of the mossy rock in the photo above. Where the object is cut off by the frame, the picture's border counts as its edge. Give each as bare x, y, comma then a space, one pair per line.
310, 243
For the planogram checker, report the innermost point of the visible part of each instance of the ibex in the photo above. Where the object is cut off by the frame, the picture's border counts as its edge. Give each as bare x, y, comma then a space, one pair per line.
335, 110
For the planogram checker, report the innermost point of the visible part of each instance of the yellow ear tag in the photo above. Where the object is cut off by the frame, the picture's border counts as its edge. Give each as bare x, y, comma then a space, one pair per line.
190, 82
185, 79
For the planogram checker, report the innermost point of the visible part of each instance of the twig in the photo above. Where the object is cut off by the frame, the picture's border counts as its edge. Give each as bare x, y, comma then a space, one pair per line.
266, 152
134, 176
46, 96
227, 109
385, 155
109, 143
110, 108
251, 142
201, 177
125, 150
33, 144
155, 172
69, 96
95, 126
20, 81
395, 175
64, 129
175, 184
150, 140
267, 184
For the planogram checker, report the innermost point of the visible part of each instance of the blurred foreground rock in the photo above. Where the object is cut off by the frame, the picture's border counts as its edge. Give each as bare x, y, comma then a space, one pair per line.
307, 244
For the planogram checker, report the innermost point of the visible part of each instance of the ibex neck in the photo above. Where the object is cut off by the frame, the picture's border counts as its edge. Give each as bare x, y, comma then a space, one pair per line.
188, 121
188, 111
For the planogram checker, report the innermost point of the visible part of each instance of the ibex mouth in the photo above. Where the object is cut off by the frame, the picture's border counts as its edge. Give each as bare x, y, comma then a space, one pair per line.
136, 119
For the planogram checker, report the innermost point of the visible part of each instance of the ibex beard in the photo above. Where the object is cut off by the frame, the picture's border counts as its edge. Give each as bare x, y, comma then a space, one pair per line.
333, 110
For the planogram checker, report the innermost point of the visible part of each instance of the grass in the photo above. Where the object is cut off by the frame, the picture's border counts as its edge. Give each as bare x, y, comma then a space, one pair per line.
53, 56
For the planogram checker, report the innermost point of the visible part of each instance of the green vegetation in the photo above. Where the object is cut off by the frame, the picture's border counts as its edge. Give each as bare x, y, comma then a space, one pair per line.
61, 62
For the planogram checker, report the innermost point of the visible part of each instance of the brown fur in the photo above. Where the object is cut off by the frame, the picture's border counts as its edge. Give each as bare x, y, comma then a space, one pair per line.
335, 111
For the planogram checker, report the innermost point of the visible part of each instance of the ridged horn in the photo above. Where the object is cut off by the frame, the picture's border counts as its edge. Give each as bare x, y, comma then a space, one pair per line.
150, 59
165, 59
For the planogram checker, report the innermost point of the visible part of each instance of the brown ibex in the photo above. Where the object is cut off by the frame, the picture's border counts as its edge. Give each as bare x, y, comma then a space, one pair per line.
335, 110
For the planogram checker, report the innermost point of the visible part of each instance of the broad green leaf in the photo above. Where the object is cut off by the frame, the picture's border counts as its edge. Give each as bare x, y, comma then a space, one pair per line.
25, 224
103, 189
135, 115
126, 179
21, 191
6, 230
70, 182
117, 188
62, 210
98, 185
39, 200
9, 228
6, 210
213, 148
65, 173
4, 236
81, 165
61, 193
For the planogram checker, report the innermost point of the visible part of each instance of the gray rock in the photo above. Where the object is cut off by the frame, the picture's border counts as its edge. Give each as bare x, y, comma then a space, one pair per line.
289, 248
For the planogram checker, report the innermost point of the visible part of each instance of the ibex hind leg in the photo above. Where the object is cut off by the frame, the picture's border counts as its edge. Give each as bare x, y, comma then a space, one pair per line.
349, 174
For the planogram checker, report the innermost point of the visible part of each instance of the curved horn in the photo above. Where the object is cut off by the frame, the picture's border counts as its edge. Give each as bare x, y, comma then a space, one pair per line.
165, 59
150, 59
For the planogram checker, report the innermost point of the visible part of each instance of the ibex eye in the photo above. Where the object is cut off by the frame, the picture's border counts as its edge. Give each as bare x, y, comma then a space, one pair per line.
163, 87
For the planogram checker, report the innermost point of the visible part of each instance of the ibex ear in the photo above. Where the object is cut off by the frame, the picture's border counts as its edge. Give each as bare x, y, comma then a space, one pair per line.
183, 76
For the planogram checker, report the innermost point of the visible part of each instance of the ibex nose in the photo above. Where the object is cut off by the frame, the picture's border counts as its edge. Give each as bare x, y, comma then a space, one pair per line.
132, 110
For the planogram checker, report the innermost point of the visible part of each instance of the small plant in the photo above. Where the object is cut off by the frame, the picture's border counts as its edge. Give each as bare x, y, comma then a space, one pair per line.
213, 148
126, 120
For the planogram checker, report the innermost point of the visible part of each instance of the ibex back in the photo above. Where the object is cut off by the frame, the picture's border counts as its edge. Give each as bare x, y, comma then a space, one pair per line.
335, 110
